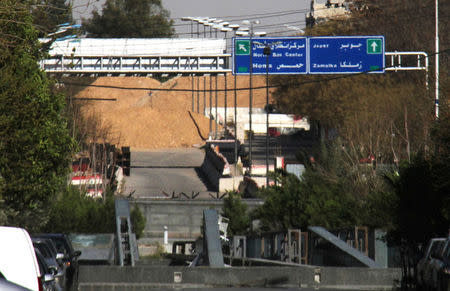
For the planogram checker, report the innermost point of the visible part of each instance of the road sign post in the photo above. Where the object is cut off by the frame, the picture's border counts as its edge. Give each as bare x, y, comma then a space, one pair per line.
310, 55
288, 55
346, 54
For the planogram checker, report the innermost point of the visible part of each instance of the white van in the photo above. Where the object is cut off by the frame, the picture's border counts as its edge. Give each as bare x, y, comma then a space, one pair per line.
18, 262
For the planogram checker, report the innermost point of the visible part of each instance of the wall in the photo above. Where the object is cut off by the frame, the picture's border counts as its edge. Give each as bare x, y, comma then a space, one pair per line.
148, 276
183, 217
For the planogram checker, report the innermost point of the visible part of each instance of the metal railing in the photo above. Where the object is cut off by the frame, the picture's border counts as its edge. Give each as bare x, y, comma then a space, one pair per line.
138, 65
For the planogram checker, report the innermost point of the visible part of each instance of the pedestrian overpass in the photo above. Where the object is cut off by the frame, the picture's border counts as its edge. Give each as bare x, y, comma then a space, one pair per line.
123, 56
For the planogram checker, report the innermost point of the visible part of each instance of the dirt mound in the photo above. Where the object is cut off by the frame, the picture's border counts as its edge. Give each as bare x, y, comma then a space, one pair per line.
150, 119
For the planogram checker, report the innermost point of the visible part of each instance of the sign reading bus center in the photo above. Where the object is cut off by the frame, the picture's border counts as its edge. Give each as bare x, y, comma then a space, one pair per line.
287, 56
309, 55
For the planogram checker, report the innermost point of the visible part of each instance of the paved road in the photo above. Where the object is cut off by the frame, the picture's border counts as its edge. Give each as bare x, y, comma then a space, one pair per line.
171, 170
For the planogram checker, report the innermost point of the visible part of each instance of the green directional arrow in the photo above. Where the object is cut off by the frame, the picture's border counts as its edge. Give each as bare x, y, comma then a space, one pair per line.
243, 47
374, 46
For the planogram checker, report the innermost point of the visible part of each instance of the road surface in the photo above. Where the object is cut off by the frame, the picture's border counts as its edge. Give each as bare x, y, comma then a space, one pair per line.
154, 173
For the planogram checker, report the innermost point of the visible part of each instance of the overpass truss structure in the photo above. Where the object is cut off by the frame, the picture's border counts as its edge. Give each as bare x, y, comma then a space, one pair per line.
136, 65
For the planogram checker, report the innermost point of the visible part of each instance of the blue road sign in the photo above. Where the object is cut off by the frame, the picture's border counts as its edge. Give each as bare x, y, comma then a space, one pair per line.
346, 54
288, 55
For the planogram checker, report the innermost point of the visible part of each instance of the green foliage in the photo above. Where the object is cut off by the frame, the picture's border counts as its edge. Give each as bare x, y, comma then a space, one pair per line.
137, 222
47, 14
236, 211
441, 131
334, 192
284, 206
35, 147
130, 18
423, 204
73, 212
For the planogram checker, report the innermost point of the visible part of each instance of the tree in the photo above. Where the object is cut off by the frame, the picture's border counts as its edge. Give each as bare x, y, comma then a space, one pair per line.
48, 14
35, 147
137, 221
388, 115
284, 206
422, 203
74, 212
332, 193
236, 212
130, 18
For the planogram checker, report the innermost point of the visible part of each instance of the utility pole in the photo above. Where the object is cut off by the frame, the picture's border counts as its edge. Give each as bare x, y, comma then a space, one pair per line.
193, 94
225, 103
267, 51
437, 60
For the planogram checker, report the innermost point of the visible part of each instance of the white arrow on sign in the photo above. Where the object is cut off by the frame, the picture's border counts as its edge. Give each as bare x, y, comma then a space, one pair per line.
374, 46
242, 47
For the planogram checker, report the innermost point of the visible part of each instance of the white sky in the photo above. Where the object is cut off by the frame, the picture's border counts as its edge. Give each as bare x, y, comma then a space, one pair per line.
273, 15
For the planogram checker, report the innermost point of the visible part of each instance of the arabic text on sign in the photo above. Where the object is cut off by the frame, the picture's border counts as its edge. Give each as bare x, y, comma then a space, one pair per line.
350, 46
296, 66
350, 65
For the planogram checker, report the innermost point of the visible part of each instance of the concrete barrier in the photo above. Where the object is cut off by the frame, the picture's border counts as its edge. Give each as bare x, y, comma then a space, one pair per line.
149, 276
183, 218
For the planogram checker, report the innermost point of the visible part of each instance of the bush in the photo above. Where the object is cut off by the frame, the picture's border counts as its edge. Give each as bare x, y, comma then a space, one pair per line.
236, 211
137, 222
74, 212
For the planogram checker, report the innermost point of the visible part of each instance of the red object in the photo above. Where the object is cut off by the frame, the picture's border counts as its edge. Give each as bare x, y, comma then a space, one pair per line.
274, 132
368, 160
76, 167
87, 179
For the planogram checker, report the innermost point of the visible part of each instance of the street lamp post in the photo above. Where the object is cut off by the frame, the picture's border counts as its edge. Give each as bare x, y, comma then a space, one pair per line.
210, 28
203, 21
193, 94
191, 19
436, 114
210, 104
197, 20
198, 94
225, 103
250, 137
267, 51
217, 92
235, 129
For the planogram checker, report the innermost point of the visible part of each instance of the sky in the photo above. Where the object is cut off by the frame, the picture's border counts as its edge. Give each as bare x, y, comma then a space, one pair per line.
277, 18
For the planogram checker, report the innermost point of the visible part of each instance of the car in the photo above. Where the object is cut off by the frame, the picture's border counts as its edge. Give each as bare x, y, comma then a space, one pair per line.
424, 262
52, 258
443, 272
70, 259
430, 269
48, 272
18, 262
